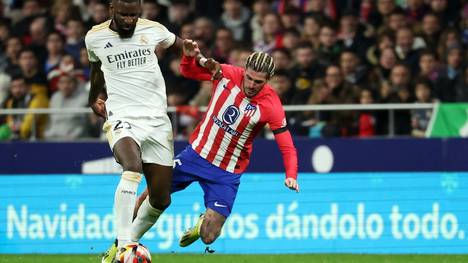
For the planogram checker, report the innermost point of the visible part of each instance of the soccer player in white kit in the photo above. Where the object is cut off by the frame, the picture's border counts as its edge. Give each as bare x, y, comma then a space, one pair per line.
122, 58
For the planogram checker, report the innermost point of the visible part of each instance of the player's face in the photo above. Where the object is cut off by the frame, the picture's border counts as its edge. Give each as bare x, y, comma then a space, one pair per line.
253, 82
125, 16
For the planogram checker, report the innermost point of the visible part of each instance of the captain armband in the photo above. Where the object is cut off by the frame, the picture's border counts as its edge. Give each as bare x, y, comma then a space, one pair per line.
280, 130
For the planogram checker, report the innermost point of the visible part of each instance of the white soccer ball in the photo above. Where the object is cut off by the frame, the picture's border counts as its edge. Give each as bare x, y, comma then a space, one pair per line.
134, 253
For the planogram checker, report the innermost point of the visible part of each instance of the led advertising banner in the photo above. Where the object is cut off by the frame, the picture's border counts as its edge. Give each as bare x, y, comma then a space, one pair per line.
332, 213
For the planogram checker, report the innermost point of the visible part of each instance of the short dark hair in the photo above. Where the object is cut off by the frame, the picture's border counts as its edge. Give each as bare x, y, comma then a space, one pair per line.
17, 76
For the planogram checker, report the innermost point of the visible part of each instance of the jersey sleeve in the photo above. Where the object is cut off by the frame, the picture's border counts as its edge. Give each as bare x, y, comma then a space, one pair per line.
167, 38
277, 119
189, 68
289, 153
277, 123
92, 57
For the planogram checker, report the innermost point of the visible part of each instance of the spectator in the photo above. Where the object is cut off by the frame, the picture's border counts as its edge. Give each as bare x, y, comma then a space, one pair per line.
380, 15
38, 38
187, 31
384, 40
387, 61
446, 14
281, 83
236, 17
396, 20
330, 48
428, 65
449, 38
62, 12
55, 50
204, 31
29, 11
431, 30
67, 65
450, 74
272, 33
366, 118
352, 34
178, 13
291, 39
304, 73
23, 97
353, 71
260, 9
311, 30
74, 38
283, 59
224, 43
238, 56
291, 18
406, 48
420, 117
415, 10
318, 7
12, 50
99, 13
31, 71
400, 81
84, 63
68, 126
180, 90
153, 11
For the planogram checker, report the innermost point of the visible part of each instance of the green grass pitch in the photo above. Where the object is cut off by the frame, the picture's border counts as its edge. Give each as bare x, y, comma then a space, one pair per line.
201, 258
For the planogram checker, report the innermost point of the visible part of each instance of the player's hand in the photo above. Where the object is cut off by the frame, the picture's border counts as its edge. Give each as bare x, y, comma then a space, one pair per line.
190, 48
215, 68
292, 184
99, 108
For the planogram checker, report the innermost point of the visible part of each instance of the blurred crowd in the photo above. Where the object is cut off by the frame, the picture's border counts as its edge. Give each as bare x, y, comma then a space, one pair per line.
326, 52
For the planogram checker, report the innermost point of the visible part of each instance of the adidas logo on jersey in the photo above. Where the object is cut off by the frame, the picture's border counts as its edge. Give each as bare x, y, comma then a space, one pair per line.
108, 45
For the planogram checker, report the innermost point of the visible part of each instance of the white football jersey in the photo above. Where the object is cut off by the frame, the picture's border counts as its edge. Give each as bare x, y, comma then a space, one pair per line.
134, 82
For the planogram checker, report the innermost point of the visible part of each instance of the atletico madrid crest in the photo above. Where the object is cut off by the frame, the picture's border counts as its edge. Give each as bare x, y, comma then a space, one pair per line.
250, 110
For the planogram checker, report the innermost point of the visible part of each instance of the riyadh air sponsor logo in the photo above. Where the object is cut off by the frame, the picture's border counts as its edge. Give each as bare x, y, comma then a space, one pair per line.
224, 126
231, 114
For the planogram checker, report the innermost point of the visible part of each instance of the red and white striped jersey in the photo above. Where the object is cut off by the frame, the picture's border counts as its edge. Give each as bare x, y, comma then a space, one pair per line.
224, 136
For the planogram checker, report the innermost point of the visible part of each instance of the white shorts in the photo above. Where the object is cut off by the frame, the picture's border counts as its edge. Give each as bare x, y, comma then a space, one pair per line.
153, 136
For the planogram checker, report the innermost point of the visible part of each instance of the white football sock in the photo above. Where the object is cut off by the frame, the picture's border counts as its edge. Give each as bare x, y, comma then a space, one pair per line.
124, 203
146, 218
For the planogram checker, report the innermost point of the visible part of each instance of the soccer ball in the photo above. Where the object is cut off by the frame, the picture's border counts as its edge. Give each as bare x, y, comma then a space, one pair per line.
134, 253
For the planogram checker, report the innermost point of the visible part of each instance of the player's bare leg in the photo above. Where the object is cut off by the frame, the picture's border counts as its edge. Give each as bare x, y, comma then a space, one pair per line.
208, 228
158, 179
127, 153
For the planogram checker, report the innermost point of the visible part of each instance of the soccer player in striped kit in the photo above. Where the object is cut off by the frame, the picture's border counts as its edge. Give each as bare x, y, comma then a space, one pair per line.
242, 104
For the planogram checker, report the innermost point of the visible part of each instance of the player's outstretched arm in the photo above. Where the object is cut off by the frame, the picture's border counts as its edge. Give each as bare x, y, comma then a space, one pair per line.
191, 49
195, 66
288, 151
97, 88
177, 46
